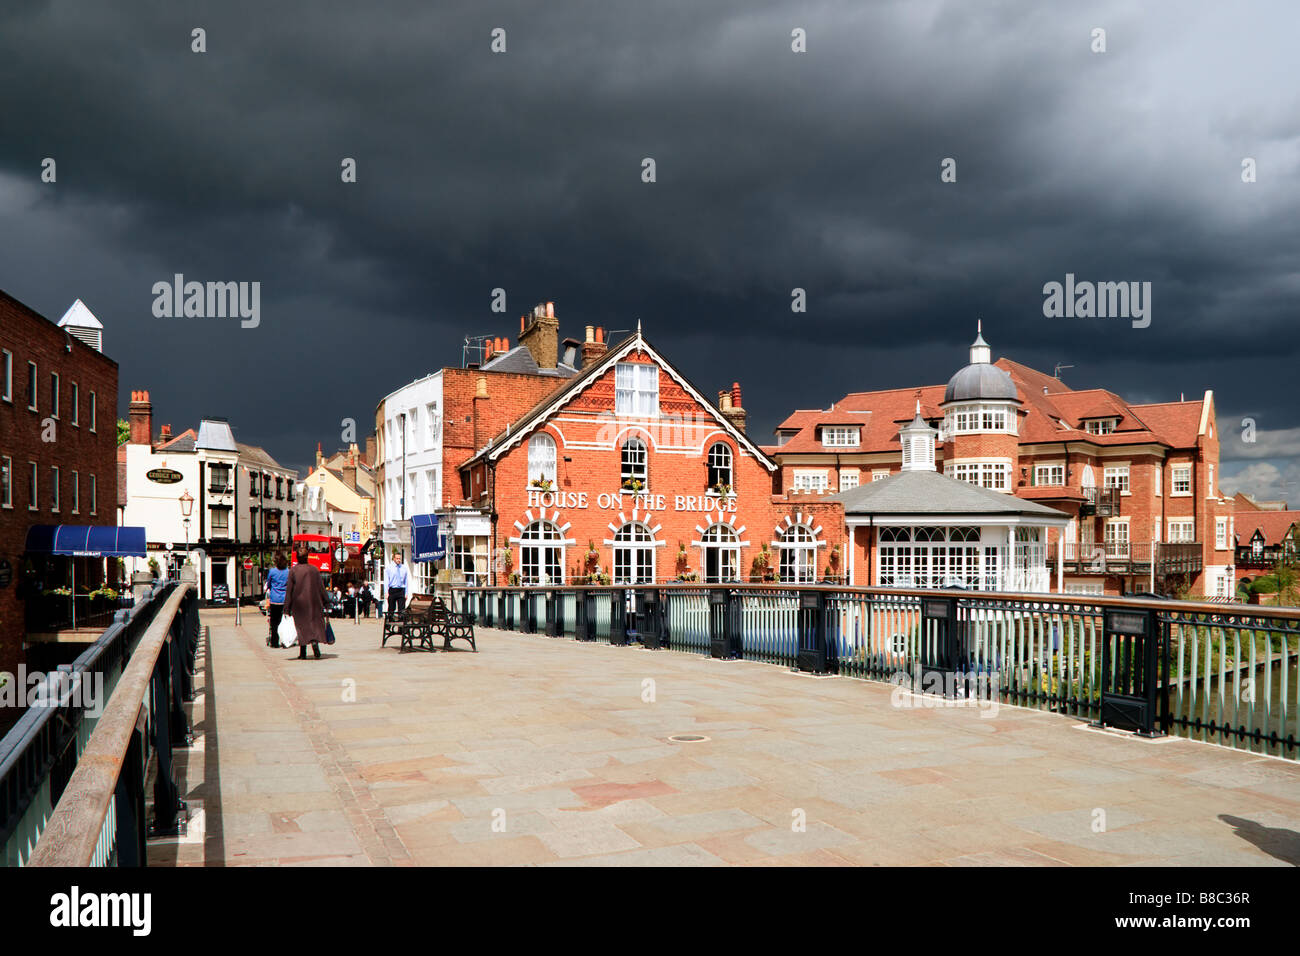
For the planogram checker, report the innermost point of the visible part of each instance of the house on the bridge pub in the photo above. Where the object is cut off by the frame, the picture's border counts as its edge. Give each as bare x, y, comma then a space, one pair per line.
627, 473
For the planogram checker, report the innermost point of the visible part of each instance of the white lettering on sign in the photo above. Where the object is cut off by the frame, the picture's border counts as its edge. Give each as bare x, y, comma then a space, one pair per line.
605, 501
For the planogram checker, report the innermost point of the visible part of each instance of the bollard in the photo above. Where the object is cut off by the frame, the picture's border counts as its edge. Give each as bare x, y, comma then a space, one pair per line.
812, 632
649, 618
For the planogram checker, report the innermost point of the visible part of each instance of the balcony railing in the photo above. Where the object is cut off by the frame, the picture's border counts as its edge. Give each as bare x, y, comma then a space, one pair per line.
1101, 502
52, 612
1128, 557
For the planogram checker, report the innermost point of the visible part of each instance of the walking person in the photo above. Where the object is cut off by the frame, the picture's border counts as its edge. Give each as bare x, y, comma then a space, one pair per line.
366, 598
276, 579
304, 599
397, 580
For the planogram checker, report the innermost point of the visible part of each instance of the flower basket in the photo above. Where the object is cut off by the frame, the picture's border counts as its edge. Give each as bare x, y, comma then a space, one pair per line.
633, 484
545, 484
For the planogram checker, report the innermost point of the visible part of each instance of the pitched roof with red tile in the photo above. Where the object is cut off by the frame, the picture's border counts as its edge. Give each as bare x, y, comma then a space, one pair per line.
1272, 524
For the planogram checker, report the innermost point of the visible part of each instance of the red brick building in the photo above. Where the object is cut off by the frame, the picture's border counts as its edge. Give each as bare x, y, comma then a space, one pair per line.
628, 471
58, 452
1138, 481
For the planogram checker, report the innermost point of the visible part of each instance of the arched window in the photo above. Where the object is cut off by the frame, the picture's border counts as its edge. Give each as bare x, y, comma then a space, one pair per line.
798, 555
541, 459
634, 470
541, 554
720, 471
634, 554
721, 554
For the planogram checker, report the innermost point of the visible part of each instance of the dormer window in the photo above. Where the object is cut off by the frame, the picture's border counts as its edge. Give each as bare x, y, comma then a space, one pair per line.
840, 436
1100, 426
978, 418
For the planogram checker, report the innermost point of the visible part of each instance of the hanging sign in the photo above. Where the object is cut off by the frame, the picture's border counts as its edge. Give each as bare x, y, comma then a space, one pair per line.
164, 476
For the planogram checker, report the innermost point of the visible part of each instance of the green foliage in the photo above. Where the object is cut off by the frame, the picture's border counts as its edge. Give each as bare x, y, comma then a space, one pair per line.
123, 431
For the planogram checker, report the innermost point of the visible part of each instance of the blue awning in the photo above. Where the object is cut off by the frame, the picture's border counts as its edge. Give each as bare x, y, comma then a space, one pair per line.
90, 541
425, 543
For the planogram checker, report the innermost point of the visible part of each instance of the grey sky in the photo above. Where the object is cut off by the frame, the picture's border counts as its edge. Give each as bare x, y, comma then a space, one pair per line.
775, 170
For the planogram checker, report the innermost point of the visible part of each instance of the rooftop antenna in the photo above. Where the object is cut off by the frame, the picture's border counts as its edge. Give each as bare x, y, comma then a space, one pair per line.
473, 349
1060, 368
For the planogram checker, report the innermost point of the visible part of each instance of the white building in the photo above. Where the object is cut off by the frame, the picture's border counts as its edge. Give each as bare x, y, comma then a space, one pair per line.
240, 501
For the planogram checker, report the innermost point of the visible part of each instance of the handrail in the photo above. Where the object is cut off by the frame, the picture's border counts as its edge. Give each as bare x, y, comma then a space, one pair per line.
1050, 598
72, 834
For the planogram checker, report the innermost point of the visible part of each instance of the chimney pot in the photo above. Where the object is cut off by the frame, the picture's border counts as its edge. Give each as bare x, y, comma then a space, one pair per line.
735, 395
480, 388
523, 324
591, 333
550, 310
140, 415
600, 333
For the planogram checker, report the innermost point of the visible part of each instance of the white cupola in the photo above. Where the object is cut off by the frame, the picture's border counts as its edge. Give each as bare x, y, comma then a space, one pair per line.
81, 324
917, 439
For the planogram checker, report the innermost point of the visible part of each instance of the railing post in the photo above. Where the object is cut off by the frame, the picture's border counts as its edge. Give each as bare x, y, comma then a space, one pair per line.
128, 803
618, 617
554, 602
501, 611
725, 641
528, 612
939, 646
175, 648
168, 807
812, 632
583, 620
1129, 670
649, 618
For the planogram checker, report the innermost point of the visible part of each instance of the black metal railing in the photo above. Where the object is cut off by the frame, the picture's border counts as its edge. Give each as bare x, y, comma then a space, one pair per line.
141, 667
1222, 673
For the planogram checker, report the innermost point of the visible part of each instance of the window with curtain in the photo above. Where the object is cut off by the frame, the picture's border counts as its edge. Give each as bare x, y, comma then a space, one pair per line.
541, 459
636, 389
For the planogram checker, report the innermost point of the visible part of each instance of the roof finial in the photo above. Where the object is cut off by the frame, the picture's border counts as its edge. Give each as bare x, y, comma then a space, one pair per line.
638, 328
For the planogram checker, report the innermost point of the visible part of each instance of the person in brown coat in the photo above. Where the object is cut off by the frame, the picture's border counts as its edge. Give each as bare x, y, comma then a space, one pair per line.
304, 599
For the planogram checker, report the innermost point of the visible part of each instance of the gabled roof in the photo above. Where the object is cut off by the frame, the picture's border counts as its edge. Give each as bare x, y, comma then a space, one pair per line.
930, 493
259, 455
1273, 525
529, 422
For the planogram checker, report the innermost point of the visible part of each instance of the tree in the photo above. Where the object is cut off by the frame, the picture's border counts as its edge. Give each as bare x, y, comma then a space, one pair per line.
123, 431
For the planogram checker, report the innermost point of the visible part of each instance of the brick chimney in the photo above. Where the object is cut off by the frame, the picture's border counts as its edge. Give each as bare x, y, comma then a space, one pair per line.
594, 347
540, 334
371, 451
164, 434
730, 406
350, 466
140, 413
320, 455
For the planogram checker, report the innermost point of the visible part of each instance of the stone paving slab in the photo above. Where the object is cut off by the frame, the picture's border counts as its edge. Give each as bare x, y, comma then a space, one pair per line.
539, 751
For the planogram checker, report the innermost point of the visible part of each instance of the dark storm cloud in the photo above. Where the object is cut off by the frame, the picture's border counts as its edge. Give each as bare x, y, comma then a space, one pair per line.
775, 170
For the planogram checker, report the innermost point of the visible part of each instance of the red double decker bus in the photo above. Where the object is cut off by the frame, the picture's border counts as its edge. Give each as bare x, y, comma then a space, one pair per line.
320, 550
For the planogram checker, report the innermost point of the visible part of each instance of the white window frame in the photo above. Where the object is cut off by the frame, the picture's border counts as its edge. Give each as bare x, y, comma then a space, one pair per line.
94, 496
810, 479
994, 475
633, 551
797, 555
7, 376
6, 482
1178, 474
980, 419
34, 486
34, 383
1221, 533
542, 457
1121, 474
55, 480
541, 554
879, 474
1100, 426
724, 540
1117, 545
849, 478
76, 403
840, 436
1209, 484
636, 390
1176, 531
719, 460
634, 462
94, 414
1049, 468
76, 493
55, 383
1160, 471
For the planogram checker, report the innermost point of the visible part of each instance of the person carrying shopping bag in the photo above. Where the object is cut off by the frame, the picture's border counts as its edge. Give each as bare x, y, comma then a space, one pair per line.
276, 579
304, 601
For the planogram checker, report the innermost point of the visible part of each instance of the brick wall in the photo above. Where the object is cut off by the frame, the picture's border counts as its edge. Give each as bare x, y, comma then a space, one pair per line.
29, 337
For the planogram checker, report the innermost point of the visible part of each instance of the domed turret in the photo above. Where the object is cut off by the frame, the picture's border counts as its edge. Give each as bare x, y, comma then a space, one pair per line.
980, 380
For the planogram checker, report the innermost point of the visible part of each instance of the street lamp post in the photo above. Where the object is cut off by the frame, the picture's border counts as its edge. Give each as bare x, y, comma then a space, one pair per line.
187, 506
450, 524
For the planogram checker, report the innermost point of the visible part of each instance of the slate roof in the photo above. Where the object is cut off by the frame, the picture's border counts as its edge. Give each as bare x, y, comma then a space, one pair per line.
930, 493
520, 361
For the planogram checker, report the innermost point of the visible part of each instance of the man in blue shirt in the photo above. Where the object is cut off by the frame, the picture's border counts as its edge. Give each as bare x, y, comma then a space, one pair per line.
395, 583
